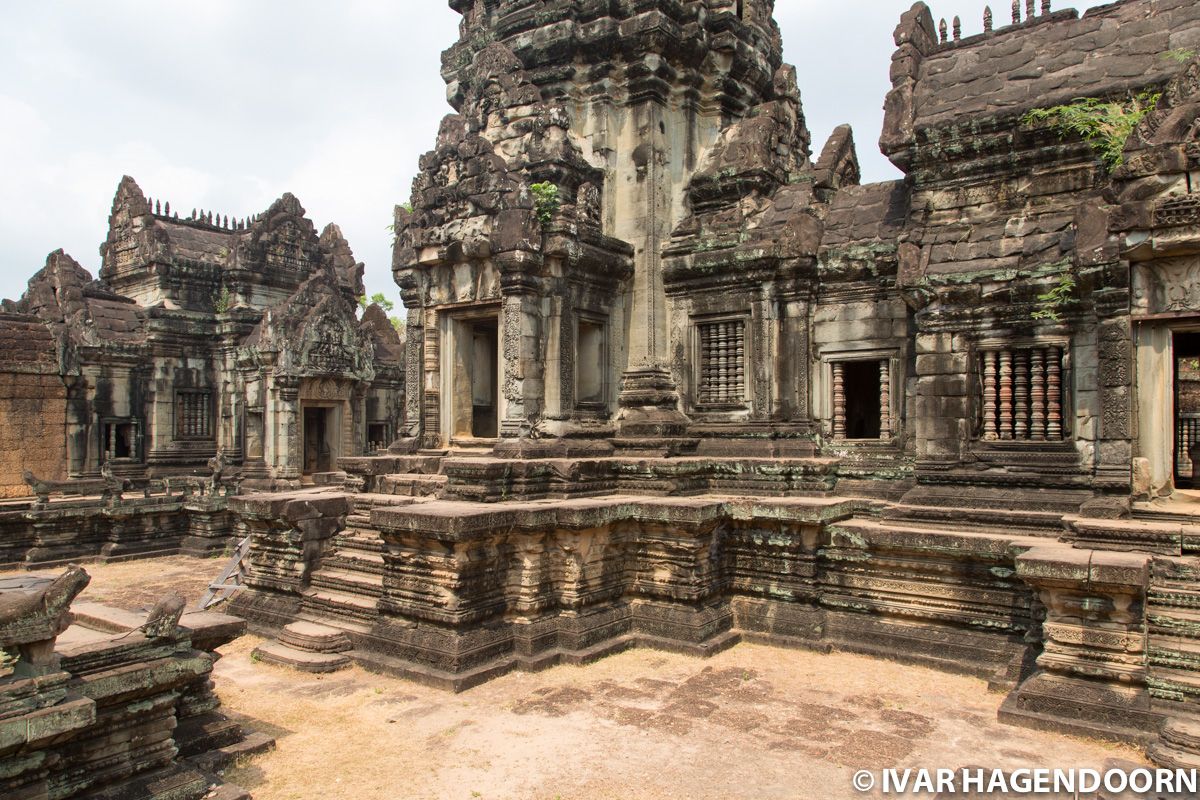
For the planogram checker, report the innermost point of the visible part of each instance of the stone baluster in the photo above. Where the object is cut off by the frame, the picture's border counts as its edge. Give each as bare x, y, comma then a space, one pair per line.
1016, 12
1021, 394
739, 362
839, 400
988, 23
990, 431
957, 28
1006, 395
1037, 369
1054, 418
942, 36
111, 453
1045, 7
1029, 6
885, 398
723, 376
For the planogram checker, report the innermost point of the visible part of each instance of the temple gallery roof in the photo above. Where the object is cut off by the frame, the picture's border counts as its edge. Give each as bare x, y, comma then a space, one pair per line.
1052, 59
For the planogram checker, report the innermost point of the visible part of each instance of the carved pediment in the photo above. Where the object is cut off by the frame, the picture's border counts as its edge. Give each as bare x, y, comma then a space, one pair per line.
1167, 285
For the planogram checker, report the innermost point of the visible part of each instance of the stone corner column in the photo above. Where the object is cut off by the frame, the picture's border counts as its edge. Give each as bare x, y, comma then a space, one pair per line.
1092, 672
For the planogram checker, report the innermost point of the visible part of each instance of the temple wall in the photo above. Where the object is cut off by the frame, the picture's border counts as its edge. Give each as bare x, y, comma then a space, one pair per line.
33, 406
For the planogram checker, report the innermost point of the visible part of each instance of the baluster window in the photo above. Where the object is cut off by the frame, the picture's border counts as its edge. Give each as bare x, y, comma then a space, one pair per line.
722, 362
194, 415
1023, 394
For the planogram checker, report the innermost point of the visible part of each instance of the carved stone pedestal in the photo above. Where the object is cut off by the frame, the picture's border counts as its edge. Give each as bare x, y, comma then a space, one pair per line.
650, 420
1091, 676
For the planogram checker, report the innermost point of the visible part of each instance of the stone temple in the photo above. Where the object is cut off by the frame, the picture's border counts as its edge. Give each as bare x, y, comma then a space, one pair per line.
672, 377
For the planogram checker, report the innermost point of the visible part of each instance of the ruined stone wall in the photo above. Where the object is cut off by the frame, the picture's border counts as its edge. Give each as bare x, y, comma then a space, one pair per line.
33, 405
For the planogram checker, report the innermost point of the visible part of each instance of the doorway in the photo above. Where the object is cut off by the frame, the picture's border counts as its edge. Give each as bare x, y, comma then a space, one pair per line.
1186, 394
862, 399
474, 385
318, 445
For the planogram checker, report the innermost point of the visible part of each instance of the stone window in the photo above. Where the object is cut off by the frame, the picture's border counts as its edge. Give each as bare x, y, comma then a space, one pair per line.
591, 362
193, 415
1023, 394
120, 439
722, 372
377, 436
862, 399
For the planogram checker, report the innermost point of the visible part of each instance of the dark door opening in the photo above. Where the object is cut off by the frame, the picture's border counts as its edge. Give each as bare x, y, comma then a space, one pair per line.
318, 455
1186, 347
485, 421
861, 386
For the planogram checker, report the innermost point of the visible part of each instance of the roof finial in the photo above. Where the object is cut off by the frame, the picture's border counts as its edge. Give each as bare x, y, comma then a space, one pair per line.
942, 30
1045, 7
158, 207
957, 28
193, 214
167, 208
226, 222
1016, 12
1029, 9
987, 19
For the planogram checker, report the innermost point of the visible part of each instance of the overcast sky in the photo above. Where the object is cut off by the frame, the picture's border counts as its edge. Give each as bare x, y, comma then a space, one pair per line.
226, 104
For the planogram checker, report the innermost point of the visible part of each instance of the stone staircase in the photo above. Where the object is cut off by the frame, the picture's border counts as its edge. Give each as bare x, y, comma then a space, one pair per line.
1173, 625
307, 646
342, 595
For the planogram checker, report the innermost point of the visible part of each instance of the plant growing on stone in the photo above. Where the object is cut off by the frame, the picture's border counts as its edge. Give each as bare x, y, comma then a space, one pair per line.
1180, 55
224, 301
1105, 125
1051, 303
545, 201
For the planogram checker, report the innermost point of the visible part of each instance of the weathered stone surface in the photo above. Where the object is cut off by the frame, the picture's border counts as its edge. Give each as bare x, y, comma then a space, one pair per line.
113, 705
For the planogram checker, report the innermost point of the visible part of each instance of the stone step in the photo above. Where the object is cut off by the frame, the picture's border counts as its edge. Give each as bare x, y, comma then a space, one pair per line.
1142, 535
228, 791
1173, 620
1167, 681
1186, 648
287, 656
315, 638
354, 561
349, 581
209, 731
361, 538
862, 531
1179, 744
1173, 596
363, 503
330, 616
221, 758
338, 604
1027, 520
413, 484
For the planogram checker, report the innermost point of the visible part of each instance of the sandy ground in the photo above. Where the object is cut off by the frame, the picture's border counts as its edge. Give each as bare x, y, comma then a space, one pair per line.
753, 722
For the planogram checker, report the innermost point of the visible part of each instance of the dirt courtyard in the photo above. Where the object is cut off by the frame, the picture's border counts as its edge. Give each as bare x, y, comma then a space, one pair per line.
753, 722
